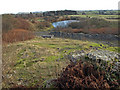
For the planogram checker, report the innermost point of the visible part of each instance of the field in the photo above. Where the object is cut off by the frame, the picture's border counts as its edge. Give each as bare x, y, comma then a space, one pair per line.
31, 61
99, 16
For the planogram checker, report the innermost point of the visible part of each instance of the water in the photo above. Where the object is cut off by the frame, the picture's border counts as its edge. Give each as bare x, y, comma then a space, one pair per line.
63, 23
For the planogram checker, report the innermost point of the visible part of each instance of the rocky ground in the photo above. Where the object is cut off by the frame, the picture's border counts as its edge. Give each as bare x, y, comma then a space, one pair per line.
95, 55
107, 60
98, 56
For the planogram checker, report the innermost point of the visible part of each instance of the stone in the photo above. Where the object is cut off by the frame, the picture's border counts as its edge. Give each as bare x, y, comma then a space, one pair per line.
49, 83
103, 57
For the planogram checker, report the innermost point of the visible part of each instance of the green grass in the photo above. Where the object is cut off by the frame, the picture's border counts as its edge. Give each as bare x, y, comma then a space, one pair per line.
103, 16
37, 60
98, 16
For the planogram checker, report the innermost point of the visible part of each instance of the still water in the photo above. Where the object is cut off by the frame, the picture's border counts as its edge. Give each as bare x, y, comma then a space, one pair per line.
63, 23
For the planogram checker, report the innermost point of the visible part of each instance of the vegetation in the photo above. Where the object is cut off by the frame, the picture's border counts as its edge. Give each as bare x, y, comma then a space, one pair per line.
94, 25
16, 35
84, 75
9, 23
30, 63
99, 12
43, 26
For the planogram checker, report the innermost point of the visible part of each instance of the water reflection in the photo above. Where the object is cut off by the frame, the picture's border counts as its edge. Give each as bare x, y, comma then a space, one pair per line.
63, 23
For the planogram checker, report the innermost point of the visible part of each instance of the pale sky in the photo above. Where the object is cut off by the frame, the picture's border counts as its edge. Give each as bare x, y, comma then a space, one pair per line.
15, 6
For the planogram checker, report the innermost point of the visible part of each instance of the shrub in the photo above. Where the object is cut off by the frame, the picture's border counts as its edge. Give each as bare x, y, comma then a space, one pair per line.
9, 23
42, 25
93, 23
84, 75
24, 24
17, 35
77, 25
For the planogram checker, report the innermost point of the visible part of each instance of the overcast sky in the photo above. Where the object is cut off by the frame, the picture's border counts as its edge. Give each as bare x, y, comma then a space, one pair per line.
15, 6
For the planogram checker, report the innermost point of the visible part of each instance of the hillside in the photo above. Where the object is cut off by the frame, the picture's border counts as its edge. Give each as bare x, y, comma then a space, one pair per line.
83, 54
32, 62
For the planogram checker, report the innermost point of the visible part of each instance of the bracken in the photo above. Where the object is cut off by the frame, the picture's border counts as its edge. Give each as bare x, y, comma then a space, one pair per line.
83, 75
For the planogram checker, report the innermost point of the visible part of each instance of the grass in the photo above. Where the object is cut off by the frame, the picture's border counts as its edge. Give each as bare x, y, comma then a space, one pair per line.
98, 16
103, 16
34, 61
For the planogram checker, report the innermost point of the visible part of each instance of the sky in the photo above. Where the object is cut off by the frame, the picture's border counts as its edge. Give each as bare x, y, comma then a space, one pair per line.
15, 6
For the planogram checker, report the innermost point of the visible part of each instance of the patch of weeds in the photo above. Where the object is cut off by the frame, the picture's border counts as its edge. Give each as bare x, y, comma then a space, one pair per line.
52, 45
94, 45
115, 49
41, 44
105, 47
46, 45
21, 52
51, 58
21, 61
118, 49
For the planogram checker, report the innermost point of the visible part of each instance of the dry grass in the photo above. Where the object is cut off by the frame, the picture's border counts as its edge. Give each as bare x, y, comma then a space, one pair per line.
17, 35
93, 31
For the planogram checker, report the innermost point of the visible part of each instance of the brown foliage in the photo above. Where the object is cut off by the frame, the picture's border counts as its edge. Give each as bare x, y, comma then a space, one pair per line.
9, 23
83, 75
104, 30
17, 35
93, 31
42, 25
23, 24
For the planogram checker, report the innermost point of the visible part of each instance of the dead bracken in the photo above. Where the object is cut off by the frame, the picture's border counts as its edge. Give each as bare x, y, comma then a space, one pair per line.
84, 75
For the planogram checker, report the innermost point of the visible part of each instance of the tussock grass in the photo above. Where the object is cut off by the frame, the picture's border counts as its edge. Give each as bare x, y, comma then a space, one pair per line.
31, 62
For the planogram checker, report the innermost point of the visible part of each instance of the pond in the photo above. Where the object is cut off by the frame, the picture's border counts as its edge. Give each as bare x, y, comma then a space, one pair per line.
63, 23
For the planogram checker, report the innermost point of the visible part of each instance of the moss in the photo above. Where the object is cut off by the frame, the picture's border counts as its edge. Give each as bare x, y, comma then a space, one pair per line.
52, 45
51, 58
115, 49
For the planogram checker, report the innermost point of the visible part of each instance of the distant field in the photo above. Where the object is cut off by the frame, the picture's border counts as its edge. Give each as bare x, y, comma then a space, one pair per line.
105, 16
98, 16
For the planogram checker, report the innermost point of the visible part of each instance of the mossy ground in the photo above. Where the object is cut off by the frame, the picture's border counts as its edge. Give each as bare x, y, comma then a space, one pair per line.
31, 62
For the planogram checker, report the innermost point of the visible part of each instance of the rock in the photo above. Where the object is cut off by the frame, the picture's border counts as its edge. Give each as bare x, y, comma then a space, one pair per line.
20, 79
73, 57
49, 84
101, 56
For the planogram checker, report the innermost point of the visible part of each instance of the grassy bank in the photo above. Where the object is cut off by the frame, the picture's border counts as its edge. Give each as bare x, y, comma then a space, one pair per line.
32, 62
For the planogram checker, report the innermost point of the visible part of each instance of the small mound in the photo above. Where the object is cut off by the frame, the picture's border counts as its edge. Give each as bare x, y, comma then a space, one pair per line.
84, 75
17, 35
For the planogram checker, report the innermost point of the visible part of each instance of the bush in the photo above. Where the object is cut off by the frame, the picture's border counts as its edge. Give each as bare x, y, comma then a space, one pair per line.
17, 35
9, 23
92, 23
23, 24
77, 25
84, 75
43, 25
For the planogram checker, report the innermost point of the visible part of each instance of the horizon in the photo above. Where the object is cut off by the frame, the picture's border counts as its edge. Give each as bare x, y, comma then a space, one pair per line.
54, 10
14, 7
